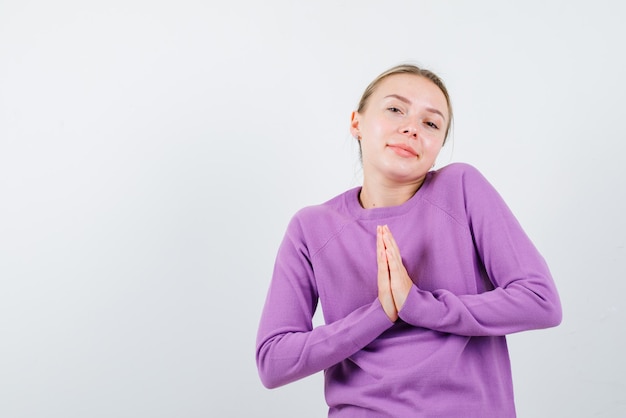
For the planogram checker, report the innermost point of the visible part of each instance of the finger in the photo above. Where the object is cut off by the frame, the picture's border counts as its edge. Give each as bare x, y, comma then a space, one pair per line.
384, 280
381, 255
392, 261
389, 240
398, 279
395, 264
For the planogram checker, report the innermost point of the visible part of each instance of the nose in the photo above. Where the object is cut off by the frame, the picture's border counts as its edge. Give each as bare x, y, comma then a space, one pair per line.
410, 130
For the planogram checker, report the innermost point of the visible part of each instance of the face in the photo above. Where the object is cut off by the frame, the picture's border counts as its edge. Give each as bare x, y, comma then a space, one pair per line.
401, 129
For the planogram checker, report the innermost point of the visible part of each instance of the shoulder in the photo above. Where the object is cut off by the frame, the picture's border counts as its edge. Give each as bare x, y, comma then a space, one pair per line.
455, 187
316, 224
458, 171
461, 178
337, 207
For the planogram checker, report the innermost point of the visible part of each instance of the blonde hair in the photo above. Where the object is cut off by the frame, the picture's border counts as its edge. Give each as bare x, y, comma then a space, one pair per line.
408, 69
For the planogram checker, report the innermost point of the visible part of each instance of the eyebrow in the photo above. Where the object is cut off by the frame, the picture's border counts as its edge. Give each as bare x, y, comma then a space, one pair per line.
407, 101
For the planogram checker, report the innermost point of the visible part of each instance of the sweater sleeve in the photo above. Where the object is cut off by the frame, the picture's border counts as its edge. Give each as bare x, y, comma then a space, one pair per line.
288, 347
524, 295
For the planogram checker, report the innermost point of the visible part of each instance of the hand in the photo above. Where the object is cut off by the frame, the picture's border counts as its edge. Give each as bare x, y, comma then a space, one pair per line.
401, 283
397, 279
385, 295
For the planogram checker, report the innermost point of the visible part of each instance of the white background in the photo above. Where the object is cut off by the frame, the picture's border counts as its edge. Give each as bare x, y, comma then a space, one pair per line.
152, 153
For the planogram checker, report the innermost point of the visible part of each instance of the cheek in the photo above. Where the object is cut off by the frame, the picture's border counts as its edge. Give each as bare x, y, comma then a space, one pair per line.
380, 130
434, 140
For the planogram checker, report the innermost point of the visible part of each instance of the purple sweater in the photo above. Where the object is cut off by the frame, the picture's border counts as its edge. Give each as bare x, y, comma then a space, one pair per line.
477, 276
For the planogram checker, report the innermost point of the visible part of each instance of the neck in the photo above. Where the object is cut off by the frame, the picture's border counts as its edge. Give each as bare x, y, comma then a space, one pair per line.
382, 195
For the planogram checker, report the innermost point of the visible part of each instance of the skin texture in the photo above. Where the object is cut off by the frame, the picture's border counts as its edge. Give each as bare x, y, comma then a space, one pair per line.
401, 131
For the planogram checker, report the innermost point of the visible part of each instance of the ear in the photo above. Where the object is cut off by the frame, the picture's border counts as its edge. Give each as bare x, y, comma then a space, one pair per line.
354, 125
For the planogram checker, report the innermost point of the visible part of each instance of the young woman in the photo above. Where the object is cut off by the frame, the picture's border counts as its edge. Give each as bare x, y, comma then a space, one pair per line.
420, 274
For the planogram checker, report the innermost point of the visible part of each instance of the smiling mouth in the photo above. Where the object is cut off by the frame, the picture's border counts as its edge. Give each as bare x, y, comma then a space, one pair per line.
403, 151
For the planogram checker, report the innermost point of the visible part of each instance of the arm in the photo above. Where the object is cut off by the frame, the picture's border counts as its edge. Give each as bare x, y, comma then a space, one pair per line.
288, 347
524, 295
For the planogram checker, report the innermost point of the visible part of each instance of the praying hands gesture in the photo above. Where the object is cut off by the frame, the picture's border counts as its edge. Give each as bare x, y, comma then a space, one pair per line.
394, 282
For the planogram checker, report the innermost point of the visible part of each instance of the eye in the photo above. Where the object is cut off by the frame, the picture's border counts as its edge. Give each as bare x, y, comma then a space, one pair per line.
432, 125
394, 109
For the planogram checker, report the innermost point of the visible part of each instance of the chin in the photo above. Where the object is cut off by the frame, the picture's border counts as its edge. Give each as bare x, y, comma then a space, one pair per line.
407, 178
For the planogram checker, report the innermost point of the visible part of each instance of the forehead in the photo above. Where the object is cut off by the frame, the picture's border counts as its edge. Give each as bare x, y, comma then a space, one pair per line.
414, 87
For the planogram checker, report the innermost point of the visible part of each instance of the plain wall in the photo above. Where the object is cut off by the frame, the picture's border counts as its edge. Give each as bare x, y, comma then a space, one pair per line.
152, 153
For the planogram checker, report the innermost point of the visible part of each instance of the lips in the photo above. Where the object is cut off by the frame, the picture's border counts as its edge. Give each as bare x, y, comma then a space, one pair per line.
403, 150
